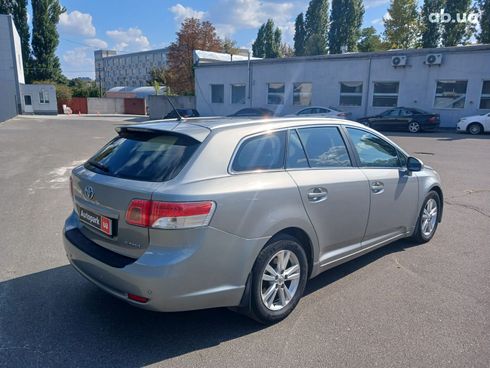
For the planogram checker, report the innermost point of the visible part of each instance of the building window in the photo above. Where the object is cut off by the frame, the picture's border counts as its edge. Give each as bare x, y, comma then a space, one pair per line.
485, 95
43, 97
238, 93
450, 94
275, 93
385, 94
350, 94
302, 94
217, 93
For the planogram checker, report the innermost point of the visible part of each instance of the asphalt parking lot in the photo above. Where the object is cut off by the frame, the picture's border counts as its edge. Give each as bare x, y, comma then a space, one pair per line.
399, 306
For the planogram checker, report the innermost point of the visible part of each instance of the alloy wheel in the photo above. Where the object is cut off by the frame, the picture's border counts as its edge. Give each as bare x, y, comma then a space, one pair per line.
429, 217
475, 129
413, 127
280, 280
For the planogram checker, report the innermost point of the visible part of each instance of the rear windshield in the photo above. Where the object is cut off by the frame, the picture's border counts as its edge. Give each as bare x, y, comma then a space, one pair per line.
144, 156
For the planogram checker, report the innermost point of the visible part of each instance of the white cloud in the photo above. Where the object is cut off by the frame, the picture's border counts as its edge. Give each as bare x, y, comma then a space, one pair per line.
96, 43
181, 12
380, 21
131, 39
78, 57
77, 23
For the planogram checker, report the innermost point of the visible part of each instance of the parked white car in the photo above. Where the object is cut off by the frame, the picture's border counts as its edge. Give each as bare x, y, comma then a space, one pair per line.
322, 112
476, 124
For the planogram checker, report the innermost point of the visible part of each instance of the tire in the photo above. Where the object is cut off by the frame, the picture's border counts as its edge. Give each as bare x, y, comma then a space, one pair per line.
475, 129
421, 234
276, 291
414, 127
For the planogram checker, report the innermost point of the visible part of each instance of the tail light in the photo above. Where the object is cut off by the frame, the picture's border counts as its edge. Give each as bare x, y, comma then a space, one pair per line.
342, 114
169, 215
432, 119
137, 298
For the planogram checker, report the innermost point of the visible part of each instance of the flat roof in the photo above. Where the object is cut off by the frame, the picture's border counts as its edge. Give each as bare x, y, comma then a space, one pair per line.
132, 53
357, 55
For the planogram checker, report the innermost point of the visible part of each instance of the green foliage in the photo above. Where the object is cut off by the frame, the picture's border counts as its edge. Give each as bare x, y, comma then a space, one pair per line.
456, 33
83, 88
484, 8
286, 50
402, 27
45, 39
345, 25
156, 86
431, 31
229, 46
268, 41
316, 26
63, 92
157, 74
6, 6
299, 35
370, 41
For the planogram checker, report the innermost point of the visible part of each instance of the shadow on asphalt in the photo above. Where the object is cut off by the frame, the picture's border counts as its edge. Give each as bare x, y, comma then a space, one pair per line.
55, 317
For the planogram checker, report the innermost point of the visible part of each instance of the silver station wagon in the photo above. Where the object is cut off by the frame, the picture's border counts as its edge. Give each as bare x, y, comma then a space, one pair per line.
203, 213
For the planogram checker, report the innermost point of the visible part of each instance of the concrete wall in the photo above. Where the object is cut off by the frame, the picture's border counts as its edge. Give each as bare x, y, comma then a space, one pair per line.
34, 91
417, 81
11, 71
104, 105
159, 106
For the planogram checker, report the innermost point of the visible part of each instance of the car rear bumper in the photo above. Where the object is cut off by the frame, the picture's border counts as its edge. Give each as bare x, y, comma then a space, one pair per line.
208, 270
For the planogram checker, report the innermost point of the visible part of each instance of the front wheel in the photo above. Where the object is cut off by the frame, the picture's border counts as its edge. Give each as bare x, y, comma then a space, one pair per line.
428, 218
475, 128
413, 127
278, 280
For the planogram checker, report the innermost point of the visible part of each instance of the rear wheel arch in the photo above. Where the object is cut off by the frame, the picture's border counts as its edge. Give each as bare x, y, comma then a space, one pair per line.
302, 238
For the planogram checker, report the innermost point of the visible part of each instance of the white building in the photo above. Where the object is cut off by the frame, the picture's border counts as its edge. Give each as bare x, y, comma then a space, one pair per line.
453, 82
126, 70
16, 97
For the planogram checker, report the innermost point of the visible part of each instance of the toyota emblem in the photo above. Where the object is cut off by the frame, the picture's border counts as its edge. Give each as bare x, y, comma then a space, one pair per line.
89, 192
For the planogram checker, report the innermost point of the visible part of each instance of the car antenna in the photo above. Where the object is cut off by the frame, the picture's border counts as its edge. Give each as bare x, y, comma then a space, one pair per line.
179, 117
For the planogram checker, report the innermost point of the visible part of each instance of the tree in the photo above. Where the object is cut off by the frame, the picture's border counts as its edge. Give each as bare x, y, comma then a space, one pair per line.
431, 30
268, 41
484, 35
345, 25
316, 26
286, 50
18, 10
83, 88
299, 35
193, 35
370, 41
402, 27
6, 6
456, 32
157, 74
230, 46
45, 39
259, 43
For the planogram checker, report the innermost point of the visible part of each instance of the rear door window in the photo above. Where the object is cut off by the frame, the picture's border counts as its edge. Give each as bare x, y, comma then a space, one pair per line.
262, 152
324, 147
296, 154
145, 156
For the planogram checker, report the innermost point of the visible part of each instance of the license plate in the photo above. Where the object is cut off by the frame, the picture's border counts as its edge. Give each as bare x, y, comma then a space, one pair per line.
99, 222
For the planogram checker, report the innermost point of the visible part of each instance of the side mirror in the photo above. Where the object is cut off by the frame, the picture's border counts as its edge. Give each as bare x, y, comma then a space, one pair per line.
414, 164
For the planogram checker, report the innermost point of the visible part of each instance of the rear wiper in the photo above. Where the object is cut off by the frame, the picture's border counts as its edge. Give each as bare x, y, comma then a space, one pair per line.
98, 165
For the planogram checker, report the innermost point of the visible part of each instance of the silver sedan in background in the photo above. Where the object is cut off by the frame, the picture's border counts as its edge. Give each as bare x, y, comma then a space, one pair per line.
203, 213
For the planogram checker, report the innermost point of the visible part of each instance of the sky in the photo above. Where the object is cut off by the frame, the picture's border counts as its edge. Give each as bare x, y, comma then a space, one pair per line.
129, 25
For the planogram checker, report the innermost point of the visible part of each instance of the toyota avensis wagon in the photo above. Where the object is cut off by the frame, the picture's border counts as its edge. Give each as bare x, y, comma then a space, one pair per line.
203, 213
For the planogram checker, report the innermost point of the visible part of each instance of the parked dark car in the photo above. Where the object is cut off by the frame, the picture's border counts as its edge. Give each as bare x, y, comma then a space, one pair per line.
402, 118
255, 112
185, 113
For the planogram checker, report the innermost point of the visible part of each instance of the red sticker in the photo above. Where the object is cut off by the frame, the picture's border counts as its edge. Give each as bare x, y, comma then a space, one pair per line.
105, 225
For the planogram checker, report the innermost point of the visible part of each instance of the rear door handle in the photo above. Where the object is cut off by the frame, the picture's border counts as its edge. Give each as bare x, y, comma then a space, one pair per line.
377, 187
317, 194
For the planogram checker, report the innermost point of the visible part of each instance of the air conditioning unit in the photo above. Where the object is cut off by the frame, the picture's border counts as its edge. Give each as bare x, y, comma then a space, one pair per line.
399, 61
433, 59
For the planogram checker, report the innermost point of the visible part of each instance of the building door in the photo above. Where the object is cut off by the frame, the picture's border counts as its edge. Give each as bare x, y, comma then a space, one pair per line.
28, 104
